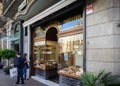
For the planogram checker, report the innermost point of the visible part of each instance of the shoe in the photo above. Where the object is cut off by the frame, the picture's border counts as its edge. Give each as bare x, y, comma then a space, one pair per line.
22, 83
14, 84
17, 82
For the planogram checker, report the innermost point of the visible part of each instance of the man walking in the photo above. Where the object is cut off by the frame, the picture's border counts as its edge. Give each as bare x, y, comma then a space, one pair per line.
20, 64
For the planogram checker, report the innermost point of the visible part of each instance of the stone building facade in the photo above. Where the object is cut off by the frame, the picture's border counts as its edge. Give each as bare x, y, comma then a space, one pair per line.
103, 37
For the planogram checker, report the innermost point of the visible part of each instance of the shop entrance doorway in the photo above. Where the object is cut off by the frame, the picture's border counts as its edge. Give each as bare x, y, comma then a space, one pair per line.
52, 43
51, 34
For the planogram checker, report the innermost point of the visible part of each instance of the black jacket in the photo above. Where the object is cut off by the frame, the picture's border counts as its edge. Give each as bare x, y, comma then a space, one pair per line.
20, 62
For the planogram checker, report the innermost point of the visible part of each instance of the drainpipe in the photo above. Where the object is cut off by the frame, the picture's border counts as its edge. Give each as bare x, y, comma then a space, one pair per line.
84, 35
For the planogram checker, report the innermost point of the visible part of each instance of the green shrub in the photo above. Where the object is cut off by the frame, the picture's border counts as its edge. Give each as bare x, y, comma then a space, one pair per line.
101, 79
7, 54
6, 70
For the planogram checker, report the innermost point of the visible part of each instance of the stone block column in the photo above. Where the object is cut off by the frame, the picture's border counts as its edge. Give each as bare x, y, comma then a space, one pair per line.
103, 37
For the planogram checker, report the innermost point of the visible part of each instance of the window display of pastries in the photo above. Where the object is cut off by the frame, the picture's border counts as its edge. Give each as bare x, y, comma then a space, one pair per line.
72, 70
46, 65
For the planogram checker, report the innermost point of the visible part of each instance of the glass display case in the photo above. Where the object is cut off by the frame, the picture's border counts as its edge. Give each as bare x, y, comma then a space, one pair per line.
45, 63
45, 57
71, 55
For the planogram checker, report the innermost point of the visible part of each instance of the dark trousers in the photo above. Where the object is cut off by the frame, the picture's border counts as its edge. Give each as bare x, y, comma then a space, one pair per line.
24, 72
20, 76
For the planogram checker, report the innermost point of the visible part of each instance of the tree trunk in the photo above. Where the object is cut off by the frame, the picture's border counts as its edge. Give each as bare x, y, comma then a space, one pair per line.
8, 63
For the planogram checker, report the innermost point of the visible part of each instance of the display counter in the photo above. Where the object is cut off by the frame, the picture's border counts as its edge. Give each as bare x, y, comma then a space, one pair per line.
46, 73
70, 76
69, 80
45, 62
38, 67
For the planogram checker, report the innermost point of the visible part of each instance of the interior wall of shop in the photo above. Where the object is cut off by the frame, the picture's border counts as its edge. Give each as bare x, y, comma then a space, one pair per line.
103, 37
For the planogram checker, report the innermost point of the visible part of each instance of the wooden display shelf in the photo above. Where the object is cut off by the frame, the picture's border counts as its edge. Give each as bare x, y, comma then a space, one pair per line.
69, 75
38, 67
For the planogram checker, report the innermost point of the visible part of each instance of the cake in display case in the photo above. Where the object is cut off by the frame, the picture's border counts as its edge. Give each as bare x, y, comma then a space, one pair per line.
72, 71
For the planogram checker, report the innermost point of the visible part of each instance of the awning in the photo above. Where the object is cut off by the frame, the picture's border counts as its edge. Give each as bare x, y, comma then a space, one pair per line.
10, 38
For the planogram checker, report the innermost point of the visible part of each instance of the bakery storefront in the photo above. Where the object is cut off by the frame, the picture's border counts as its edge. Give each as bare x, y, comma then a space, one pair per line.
58, 47
70, 53
46, 52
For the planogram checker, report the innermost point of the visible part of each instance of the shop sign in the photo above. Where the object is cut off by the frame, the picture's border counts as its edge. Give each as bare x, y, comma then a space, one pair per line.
70, 24
39, 43
47, 52
89, 9
22, 5
39, 32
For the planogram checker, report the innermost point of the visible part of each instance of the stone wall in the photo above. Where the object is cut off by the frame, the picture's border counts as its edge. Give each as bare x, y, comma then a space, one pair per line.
103, 37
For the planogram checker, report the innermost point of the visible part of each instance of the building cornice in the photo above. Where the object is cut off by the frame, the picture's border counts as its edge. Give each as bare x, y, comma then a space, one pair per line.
52, 9
9, 7
26, 10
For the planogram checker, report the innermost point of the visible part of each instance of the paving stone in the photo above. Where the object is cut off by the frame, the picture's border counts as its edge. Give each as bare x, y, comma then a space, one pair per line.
5, 80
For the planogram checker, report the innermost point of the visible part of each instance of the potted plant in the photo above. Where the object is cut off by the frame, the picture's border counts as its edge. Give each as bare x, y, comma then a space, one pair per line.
1, 65
7, 54
100, 79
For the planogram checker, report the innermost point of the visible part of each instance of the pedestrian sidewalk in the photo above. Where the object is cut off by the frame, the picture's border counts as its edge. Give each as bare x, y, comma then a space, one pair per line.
47, 82
5, 80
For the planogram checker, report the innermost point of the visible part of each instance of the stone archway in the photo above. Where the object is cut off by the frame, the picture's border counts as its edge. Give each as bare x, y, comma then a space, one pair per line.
51, 34
52, 41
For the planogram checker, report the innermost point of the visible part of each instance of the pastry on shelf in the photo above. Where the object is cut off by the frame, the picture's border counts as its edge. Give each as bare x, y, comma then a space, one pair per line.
72, 70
